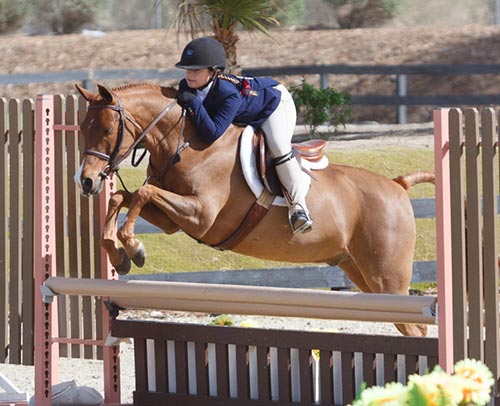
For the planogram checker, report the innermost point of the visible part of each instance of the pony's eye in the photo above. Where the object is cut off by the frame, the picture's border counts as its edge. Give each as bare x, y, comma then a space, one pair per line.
108, 130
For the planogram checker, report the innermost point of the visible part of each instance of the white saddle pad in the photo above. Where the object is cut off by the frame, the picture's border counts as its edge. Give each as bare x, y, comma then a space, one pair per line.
249, 167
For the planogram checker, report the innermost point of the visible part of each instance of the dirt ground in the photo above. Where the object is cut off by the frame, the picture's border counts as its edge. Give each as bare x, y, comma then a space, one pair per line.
160, 49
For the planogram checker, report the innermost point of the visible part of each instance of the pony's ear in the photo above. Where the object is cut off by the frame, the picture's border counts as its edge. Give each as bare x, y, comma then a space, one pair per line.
106, 94
87, 94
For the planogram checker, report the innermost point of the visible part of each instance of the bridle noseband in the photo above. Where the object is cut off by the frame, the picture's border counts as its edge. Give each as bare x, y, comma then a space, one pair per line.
113, 160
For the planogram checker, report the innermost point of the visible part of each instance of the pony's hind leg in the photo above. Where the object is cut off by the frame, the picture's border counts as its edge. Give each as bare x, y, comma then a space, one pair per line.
379, 286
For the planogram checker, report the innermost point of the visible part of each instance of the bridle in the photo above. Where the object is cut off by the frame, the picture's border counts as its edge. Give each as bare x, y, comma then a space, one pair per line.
113, 159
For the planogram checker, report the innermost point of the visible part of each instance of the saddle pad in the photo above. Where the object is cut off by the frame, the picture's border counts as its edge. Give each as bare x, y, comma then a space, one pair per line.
249, 167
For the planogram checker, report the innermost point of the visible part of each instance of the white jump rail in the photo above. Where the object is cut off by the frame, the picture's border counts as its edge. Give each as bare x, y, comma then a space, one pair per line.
283, 302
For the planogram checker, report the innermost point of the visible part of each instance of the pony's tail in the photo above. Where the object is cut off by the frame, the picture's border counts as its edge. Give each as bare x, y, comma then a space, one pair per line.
414, 178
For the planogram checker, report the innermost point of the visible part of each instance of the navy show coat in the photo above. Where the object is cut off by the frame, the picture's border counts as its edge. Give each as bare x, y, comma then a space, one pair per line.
232, 99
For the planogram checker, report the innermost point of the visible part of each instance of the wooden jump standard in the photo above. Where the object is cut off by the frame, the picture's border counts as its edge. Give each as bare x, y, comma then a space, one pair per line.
286, 302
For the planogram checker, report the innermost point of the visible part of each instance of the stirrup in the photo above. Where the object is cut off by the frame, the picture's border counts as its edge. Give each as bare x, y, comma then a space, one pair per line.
300, 222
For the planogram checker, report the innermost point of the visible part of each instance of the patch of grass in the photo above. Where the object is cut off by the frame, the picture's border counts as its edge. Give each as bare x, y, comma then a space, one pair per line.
391, 162
180, 253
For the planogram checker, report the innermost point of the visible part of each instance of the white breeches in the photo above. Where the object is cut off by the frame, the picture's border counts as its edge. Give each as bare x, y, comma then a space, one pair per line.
279, 129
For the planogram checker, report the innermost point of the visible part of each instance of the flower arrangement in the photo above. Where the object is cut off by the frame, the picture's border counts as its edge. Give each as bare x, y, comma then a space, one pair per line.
469, 385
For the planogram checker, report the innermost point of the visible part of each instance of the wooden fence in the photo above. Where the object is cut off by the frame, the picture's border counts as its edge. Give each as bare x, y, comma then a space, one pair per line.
212, 365
474, 165
78, 250
399, 99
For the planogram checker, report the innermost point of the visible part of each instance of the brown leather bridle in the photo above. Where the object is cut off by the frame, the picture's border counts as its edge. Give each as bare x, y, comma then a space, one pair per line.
113, 159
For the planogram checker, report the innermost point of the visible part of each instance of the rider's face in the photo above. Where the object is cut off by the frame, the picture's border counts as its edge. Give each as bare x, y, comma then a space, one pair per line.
197, 78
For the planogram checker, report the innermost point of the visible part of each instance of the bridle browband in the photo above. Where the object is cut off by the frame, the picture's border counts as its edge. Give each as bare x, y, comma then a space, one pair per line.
113, 160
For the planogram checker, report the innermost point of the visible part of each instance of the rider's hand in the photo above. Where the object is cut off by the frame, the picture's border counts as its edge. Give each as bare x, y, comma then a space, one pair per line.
185, 99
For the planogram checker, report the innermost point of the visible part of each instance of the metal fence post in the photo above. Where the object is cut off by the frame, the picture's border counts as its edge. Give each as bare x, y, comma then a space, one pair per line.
401, 113
323, 80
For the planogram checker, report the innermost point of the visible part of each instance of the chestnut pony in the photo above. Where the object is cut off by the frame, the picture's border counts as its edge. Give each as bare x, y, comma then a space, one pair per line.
363, 222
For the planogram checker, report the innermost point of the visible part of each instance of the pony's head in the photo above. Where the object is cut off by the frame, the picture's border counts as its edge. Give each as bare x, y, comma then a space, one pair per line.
106, 138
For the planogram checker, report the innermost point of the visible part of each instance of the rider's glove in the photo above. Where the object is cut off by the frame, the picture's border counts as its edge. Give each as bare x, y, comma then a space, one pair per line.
185, 99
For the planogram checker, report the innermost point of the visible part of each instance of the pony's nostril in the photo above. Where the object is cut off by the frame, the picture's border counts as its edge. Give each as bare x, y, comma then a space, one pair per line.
87, 185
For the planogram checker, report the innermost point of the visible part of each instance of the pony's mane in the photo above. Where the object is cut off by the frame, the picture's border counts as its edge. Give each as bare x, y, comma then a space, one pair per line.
130, 86
169, 91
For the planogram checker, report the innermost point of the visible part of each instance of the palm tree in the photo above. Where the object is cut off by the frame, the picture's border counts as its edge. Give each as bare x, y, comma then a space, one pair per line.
223, 17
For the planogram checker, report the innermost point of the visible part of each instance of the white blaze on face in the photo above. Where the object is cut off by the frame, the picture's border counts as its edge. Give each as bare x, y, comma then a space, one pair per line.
78, 175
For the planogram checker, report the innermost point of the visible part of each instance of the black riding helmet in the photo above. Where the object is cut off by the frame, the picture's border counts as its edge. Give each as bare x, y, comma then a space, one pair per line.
201, 53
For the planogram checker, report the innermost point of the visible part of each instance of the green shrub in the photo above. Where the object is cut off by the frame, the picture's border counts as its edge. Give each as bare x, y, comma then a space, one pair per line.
12, 13
365, 13
321, 106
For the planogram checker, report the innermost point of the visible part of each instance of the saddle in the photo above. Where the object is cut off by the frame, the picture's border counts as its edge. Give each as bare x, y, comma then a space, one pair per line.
262, 179
310, 151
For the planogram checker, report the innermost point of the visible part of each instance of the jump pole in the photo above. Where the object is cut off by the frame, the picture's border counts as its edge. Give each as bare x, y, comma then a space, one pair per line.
252, 300
46, 317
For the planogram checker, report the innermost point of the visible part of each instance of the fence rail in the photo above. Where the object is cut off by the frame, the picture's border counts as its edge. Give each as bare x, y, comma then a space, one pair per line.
400, 99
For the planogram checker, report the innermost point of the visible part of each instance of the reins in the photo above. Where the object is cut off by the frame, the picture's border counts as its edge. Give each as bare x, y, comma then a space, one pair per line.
113, 160
175, 157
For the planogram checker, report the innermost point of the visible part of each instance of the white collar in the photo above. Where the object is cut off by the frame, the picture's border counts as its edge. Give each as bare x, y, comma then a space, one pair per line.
204, 92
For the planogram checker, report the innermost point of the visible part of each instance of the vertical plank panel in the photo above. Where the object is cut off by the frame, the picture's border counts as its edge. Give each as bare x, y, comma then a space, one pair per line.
75, 232
443, 237
490, 253
284, 376
326, 377
457, 197
474, 236
98, 225
221, 357
141, 365
411, 364
242, 369
27, 230
161, 365
201, 369
348, 388
88, 319
432, 362
181, 367
4, 232
264, 373
369, 368
15, 200
390, 368
60, 220
306, 379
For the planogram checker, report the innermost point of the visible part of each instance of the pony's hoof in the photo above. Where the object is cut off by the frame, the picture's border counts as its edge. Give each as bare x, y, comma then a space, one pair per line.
140, 256
123, 267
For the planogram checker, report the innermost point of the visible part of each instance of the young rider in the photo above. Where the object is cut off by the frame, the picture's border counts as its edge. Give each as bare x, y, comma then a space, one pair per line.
214, 100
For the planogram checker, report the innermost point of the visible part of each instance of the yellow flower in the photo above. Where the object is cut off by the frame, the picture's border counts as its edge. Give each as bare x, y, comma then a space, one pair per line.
222, 320
476, 379
249, 323
437, 388
392, 394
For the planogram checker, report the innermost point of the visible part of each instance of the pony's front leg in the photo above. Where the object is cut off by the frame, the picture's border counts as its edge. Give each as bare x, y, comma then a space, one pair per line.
134, 248
184, 211
117, 255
